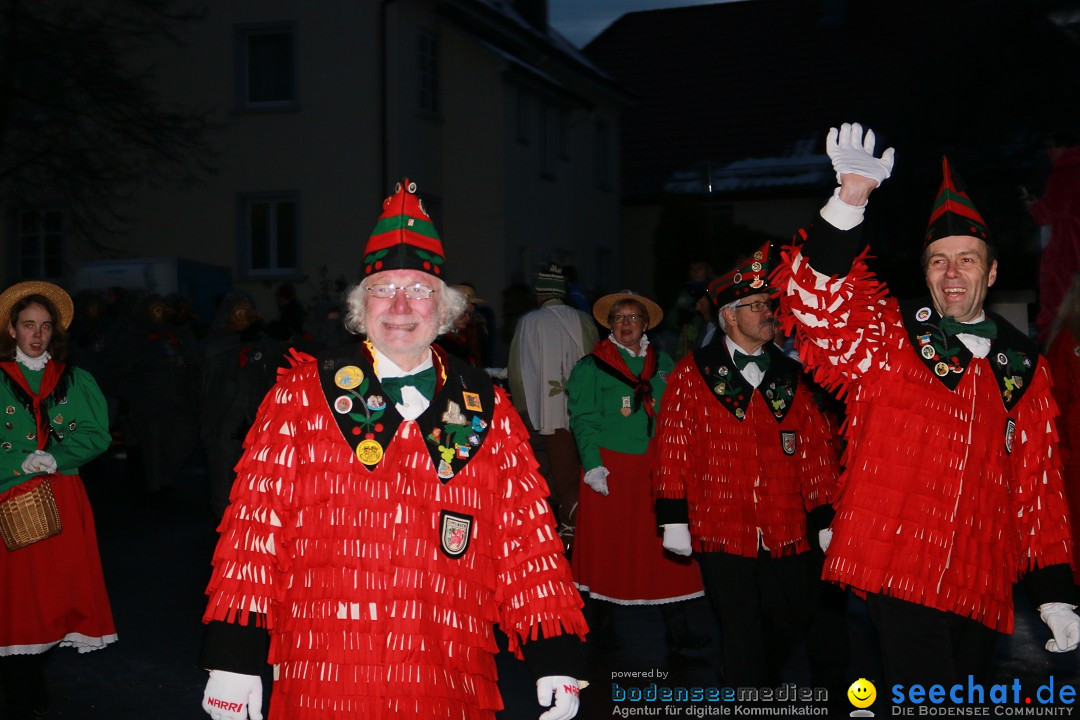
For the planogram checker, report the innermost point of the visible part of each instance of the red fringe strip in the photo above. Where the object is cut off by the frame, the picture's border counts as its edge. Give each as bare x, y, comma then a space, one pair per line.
842, 323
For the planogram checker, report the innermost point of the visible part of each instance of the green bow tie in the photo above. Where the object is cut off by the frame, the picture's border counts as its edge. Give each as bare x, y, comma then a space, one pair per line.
984, 328
423, 381
762, 360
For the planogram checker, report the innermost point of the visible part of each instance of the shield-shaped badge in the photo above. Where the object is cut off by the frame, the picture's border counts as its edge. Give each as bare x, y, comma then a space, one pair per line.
787, 441
454, 533
1010, 433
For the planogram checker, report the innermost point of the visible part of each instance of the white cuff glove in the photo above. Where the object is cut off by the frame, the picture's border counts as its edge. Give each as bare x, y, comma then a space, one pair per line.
677, 539
1064, 623
597, 479
39, 461
231, 696
850, 152
564, 690
824, 538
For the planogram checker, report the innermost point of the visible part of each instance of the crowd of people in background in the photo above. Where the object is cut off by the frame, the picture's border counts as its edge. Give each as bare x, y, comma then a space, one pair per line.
687, 454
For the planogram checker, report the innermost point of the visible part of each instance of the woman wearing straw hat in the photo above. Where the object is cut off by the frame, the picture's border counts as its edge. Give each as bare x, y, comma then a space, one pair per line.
614, 399
54, 421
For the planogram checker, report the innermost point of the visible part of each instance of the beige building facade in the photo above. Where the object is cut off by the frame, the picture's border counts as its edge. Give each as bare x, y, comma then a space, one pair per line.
508, 131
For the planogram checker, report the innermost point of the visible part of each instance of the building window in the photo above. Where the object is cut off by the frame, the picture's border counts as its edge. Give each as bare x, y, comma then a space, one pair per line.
266, 67
41, 243
427, 59
270, 231
602, 150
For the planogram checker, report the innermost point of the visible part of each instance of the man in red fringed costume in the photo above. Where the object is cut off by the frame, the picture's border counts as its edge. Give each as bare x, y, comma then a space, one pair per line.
743, 455
387, 512
952, 488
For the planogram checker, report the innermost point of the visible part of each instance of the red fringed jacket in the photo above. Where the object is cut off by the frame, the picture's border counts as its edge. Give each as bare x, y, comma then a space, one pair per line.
743, 459
952, 487
380, 552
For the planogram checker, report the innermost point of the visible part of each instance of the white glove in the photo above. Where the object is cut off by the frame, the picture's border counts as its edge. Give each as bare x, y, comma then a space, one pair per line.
850, 152
597, 479
39, 461
677, 539
824, 539
1064, 623
231, 696
566, 693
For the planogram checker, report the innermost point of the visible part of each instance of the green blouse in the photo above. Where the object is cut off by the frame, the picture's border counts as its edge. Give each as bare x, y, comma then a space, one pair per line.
79, 418
596, 402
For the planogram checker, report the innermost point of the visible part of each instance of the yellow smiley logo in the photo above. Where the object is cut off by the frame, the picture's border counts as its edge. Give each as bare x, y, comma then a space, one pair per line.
862, 693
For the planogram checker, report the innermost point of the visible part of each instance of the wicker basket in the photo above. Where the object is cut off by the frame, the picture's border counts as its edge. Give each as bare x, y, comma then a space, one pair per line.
29, 517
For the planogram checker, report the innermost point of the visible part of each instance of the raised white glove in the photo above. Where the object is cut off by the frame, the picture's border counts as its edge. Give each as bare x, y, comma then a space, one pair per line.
232, 696
597, 479
677, 539
564, 690
851, 152
824, 538
39, 461
1064, 623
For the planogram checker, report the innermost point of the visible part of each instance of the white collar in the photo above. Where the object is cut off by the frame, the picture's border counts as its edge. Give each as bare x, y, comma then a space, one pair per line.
732, 347
386, 368
37, 363
641, 350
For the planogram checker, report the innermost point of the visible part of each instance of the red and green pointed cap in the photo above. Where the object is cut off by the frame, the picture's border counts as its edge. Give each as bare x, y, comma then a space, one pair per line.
954, 213
750, 276
404, 238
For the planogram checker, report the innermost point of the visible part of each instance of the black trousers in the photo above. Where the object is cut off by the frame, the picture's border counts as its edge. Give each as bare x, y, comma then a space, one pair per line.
762, 605
921, 645
23, 680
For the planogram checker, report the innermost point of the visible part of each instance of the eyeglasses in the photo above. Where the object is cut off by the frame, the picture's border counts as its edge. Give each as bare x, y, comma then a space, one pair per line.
759, 305
415, 291
630, 319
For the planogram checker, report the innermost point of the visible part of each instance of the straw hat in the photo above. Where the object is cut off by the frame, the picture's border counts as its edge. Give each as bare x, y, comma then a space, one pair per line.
54, 293
602, 307
470, 294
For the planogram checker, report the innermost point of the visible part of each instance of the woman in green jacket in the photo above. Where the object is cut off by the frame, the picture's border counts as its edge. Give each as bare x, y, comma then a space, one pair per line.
54, 421
614, 399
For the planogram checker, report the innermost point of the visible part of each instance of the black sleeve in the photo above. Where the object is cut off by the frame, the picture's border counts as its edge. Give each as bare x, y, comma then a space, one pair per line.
829, 250
1052, 583
671, 511
817, 519
559, 655
237, 648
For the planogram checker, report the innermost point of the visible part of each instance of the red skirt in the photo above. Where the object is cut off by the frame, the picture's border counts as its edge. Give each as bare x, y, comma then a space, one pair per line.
54, 590
618, 552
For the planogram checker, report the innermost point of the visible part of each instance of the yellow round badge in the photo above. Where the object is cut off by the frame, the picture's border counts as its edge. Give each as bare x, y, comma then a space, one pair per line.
369, 452
348, 377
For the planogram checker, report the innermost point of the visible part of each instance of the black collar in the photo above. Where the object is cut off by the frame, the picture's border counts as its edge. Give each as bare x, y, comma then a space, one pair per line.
1013, 355
731, 390
454, 426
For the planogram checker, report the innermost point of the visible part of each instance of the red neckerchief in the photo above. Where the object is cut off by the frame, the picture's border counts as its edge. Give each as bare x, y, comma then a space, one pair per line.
610, 360
49, 380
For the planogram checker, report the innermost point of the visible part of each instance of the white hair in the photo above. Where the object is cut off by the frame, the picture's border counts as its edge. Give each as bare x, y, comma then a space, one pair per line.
452, 304
720, 319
